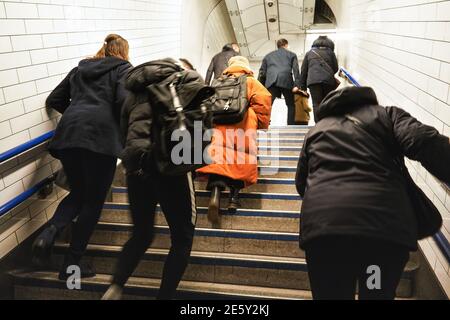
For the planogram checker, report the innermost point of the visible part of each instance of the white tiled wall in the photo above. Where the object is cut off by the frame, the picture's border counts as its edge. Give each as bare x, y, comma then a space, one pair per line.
402, 49
40, 41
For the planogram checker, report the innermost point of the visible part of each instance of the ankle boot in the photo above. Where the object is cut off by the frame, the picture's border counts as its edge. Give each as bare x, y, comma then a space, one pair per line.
235, 202
43, 246
214, 206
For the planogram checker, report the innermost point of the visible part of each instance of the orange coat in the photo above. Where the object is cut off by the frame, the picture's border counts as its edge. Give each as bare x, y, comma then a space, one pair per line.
234, 157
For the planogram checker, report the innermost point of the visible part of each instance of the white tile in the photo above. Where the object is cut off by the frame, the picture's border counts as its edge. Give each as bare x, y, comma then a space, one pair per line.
5, 44
14, 60
443, 11
5, 129
54, 40
21, 10
7, 245
20, 91
21, 43
60, 67
32, 73
11, 192
14, 140
11, 110
37, 177
2, 10
44, 55
12, 27
18, 173
47, 84
39, 26
26, 121
8, 78
2, 97
443, 112
35, 102
443, 277
42, 128
31, 227
50, 11
441, 51
39, 205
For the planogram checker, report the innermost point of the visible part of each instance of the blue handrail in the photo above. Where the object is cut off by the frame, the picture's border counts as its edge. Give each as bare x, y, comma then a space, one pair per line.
4, 209
5, 156
439, 238
350, 77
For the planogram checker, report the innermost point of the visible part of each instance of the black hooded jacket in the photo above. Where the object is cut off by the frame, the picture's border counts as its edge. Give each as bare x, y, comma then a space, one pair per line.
219, 63
347, 176
137, 121
319, 70
90, 99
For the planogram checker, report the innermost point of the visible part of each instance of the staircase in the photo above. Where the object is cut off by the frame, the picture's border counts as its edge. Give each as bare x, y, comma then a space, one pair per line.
253, 255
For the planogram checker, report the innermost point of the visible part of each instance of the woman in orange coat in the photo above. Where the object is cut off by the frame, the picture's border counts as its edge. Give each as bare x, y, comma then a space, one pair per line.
234, 148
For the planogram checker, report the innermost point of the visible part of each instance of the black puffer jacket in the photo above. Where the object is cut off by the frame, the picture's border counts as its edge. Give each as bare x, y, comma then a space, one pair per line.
219, 63
90, 99
349, 181
314, 70
137, 123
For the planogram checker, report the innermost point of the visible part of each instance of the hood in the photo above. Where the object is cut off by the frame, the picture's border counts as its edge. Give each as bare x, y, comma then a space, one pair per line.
238, 70
343, 101
151, 72
324, 41
96, 68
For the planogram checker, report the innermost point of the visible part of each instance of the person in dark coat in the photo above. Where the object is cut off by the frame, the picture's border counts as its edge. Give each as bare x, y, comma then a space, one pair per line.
147, 186
220, 62
88, 143
356, 210
318, 69
281, 76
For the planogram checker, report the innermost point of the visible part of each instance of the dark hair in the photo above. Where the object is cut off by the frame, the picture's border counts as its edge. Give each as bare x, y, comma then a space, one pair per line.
114, 46
282, 43
187, 63
228, 47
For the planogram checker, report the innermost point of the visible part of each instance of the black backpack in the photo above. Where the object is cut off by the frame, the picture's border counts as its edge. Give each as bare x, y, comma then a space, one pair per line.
230, 101
177, 108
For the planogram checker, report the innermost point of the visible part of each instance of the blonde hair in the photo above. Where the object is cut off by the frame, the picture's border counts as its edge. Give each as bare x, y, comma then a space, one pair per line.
114, 46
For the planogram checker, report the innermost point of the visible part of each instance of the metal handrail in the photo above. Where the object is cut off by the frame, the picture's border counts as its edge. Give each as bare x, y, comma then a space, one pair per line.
4, 209
7, 155
439, 238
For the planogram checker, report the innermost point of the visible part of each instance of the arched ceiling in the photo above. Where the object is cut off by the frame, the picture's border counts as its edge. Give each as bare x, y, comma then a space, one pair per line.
258, 24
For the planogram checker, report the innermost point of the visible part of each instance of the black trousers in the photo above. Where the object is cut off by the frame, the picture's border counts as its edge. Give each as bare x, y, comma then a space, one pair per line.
222, 183
90, 176
176, 195
318, 93
337, 264
290, 101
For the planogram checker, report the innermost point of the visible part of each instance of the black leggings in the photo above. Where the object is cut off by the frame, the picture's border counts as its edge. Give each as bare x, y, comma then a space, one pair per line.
176, 195
90, 176
337, 264
318, 93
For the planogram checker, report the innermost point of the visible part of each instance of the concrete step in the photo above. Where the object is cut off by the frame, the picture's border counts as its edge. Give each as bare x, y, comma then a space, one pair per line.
280, 244
223, 268
243, 219
249, 200
45, 285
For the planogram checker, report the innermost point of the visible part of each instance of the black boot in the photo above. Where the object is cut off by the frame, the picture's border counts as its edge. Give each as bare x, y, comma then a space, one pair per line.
43, 246
235, 202
87, 270
214, 206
